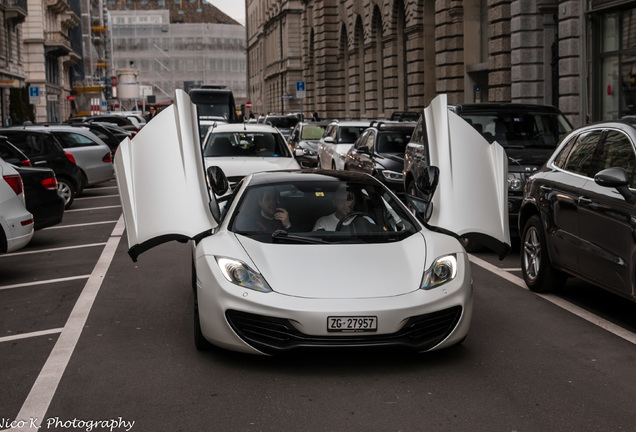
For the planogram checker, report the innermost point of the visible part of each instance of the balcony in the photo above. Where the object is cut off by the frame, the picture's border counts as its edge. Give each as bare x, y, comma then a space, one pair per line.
56, 43
15, 11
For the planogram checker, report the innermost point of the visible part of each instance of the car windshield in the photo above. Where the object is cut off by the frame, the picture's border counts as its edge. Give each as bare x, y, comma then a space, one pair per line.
322, 212
394, 141
311, 132
349, 134
245, 144
520, 130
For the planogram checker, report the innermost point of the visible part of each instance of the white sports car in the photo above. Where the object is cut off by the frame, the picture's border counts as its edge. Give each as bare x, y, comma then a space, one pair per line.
312, 259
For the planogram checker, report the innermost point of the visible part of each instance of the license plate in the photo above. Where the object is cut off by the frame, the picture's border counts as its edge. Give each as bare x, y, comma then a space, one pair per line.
352, 324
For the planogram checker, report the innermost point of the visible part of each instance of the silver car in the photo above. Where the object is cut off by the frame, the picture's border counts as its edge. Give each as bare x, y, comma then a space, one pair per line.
91, 154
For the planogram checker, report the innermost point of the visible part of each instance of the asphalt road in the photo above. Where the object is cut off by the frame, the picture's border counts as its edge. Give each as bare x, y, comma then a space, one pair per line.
90, 340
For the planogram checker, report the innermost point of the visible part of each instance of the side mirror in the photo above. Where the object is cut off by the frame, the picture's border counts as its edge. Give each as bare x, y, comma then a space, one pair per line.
617, 178
363, 149
298, 152
422, 208
329, 140
426, 183
217, 180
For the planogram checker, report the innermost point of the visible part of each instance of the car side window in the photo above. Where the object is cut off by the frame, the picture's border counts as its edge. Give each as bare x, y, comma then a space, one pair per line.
618, 151
581, 159
419, 133
72, 140
360, 141
370, 141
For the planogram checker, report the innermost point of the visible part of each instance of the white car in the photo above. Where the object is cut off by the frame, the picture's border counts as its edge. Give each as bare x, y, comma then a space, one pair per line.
16, 223
338, 138
241, 149
378, 277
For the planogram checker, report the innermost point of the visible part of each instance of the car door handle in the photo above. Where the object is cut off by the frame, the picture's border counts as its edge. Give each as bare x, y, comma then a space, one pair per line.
545, 189
39, 163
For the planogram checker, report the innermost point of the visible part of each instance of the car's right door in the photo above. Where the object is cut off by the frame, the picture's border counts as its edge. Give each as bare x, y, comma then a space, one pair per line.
606, 221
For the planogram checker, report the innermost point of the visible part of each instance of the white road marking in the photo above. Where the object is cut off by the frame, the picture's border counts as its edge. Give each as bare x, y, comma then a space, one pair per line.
30, 335
96, 197
78, 225
51, 250
580, 312
43, 390
43, 282
92, 208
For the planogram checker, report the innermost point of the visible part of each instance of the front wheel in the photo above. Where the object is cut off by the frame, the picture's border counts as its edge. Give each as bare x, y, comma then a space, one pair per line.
536, 267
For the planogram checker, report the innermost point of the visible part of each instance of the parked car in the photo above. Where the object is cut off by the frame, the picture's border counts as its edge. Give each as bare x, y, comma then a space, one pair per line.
110, 133
91, 154
379, 151
121, 121
306, 137
42, 199
284, 124
242, 149
578, 212
529, 134
44, 150
338, 138
11, 154
265, 293
16, 223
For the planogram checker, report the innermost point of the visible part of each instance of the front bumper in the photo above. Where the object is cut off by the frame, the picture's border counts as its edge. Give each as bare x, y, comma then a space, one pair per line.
267, 323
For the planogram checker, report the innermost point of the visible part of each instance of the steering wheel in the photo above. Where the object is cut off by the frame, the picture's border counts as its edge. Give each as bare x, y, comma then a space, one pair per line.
351, 216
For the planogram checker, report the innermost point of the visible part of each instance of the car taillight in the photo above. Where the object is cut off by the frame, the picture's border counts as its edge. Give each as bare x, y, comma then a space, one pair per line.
107, 158
26, 163
70, 157
49, 183
27, 221
15, 181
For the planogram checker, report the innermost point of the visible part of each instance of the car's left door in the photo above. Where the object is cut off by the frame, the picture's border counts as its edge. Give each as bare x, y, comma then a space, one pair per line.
607, 222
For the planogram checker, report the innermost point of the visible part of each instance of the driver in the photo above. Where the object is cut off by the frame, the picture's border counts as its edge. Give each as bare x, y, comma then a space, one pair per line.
343, 201
271, 217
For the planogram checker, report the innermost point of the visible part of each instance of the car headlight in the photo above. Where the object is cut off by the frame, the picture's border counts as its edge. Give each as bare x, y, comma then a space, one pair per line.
308, 152
515, 182
392, 175
242, 275
443, 270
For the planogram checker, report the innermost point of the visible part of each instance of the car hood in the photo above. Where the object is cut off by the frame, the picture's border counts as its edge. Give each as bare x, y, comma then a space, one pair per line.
161, 180
519, 158
391, 161
310, 144
242, 166
292, 269
471, 199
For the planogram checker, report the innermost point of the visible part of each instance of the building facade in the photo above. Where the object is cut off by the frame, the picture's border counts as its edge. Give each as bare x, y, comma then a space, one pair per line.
12, 14
369, 58
49, 53
178, 46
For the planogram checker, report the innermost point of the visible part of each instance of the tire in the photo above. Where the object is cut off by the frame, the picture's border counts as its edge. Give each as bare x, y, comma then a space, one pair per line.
67, 191
536, 267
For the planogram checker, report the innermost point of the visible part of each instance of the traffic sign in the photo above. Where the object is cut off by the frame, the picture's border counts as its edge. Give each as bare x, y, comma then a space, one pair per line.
34, 95
300, 90
248, 104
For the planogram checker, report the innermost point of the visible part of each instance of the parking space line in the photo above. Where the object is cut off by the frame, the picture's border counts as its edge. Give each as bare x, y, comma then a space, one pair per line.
78, 225
96, 197
92, 208
43, 282
30, 335
51, 250
43, 390
580, 312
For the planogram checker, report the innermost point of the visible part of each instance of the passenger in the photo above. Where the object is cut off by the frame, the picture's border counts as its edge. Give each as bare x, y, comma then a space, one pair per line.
271, 217
343, 201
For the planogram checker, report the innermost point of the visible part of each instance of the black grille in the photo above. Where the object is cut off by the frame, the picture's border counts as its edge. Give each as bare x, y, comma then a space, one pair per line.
275, 335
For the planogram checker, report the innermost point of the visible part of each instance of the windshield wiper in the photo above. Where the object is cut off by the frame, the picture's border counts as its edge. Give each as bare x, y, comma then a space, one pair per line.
282, 234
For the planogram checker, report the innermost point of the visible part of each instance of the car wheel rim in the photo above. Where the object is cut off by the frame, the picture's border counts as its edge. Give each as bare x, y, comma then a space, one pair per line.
64, 191
532, 253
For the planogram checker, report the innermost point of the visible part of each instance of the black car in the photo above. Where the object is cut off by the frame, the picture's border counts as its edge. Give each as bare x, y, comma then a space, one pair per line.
528, 133
306, 136
379, 151
578, 212
11, 154
45, 151
284, 124
41, 196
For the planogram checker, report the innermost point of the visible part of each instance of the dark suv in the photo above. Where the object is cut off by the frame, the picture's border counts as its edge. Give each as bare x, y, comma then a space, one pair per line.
45, 151
528, 133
